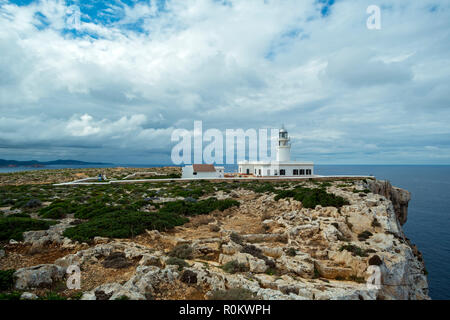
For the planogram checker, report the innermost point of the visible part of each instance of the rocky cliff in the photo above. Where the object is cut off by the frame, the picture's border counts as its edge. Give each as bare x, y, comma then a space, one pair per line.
267, 248
399, 197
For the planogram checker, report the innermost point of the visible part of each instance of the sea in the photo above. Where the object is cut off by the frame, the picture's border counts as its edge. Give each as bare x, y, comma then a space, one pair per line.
428, 224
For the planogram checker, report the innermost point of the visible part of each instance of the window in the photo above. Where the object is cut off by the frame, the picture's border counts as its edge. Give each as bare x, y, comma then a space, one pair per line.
259, 172
282, 172
302, 172
240, 170
276, 172
255, 171
295, 172
195, 173
308, 172
248, 171
268, 172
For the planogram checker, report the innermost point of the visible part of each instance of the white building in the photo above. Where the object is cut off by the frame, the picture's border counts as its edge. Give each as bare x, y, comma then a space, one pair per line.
202, 171
282, 167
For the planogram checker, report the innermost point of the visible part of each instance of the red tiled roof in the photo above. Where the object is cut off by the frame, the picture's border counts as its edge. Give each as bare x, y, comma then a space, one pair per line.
204, 168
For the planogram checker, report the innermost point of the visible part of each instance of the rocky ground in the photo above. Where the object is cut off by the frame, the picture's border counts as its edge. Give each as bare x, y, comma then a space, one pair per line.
266, 248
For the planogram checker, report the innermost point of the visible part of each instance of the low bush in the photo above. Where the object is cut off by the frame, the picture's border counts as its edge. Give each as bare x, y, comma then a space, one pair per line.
177, 262
19, 215
123, 225
310, 198
291, 252
233, 294
355, 250
363, 236
182, 251
57, 210
52, 296
6, 279
13, 227
234, 267
10, 296
236, 238
200, 207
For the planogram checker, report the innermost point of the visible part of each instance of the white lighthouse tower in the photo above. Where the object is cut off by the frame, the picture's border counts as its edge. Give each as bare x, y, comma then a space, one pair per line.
284, 146
282, 166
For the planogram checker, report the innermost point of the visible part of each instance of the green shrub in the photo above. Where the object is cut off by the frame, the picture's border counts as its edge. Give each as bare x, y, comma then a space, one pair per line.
57, 210
19, 215
357, 279
10, 296
177, 262
52, 296
291, 252
182, 251
12, 228
357, 251
123, 225
200, 207
234, 266
375, 223
6, 279
363, 236
233, 294
236, 238
310, 198
263, 188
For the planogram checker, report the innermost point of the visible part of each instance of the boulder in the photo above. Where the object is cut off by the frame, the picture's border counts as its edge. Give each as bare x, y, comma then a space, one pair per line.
43, 275
28, 296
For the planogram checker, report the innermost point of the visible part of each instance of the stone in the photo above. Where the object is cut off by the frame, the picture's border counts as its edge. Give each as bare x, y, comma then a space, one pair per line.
101, 240
28, 296
150, 260
12, 241
43, 275
2, 253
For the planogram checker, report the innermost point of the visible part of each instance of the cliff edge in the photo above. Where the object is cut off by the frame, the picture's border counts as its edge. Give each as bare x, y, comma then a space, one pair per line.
277, 242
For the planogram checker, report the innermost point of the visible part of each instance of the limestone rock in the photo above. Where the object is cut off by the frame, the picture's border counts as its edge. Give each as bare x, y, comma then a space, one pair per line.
28, 296
43, 275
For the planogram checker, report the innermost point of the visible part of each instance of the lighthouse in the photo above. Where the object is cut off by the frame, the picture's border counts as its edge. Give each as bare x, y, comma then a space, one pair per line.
283, 166
284, 146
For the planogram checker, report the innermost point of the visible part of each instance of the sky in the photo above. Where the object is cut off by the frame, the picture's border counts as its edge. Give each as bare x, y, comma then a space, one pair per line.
111, 80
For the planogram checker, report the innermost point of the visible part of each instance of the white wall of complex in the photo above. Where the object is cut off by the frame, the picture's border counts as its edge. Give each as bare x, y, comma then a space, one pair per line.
188, 173
277, 170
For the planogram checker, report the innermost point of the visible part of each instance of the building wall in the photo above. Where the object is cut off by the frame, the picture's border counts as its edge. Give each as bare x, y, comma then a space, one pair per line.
269, 170
188, 173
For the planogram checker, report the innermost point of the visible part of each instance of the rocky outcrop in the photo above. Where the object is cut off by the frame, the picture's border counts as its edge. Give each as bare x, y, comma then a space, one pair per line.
399, 197
40, 276
284, 251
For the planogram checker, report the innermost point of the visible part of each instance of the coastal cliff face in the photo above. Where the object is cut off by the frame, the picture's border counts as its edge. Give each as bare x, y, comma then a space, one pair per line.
267, 248
399, 197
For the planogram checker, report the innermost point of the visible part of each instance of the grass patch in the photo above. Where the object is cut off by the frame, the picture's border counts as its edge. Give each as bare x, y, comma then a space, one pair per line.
13, 227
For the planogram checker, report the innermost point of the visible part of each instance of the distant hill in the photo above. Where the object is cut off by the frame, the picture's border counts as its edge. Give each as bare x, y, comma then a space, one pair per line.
35, 163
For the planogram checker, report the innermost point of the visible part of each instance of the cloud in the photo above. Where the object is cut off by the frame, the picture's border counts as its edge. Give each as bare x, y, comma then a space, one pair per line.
110, 80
